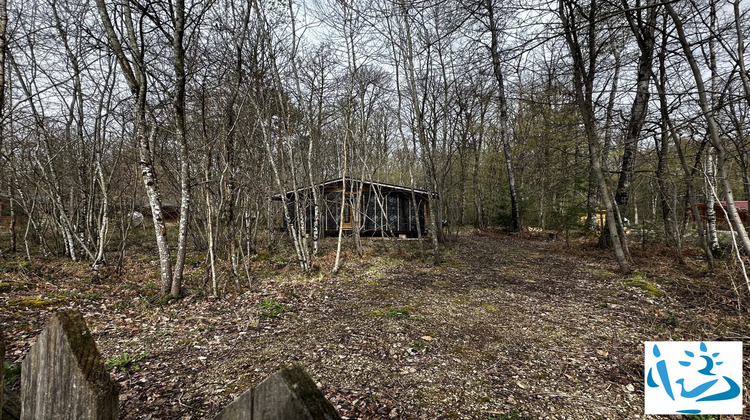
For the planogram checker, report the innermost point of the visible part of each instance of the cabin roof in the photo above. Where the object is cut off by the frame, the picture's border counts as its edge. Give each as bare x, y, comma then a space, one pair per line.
383, 185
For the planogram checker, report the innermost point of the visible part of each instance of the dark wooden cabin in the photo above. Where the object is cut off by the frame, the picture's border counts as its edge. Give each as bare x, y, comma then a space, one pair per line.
384, 209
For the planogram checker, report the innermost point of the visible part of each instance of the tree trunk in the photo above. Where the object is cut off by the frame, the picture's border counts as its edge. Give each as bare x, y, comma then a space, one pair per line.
741, 52
337, 263
178, 104
713, 132
148, 175
12, 209
356, 209
104, 223
3, 50
503, 104
690, 199
644, 33
710, 182
421, 134
583, 79
135, 75
670, 234
592, 203
315, 199
210, 222
604, 240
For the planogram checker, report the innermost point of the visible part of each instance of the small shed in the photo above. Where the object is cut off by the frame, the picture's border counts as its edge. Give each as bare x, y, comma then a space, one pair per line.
384, 209
720, 207
170, 211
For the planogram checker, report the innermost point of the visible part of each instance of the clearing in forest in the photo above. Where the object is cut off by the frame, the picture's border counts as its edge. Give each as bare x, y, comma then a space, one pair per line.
504, 328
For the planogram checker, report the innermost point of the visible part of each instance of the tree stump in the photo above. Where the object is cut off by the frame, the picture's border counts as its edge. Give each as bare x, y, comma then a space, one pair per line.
63, 376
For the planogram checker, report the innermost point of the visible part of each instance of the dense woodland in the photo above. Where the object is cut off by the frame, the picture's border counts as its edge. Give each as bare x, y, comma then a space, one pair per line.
520, 114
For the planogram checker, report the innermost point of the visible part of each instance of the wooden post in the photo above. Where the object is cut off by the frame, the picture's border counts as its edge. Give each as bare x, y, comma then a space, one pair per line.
2, 371
289, 393
63, 376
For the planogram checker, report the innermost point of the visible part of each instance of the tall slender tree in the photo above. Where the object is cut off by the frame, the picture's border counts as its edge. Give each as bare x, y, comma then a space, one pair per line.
503, 112
582, 37
713, 130
133, 66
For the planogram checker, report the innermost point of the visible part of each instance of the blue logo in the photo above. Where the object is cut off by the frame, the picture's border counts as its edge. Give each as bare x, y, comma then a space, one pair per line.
693, 377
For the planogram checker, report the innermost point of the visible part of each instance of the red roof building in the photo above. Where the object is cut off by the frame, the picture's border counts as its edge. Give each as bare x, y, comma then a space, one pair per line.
720, 209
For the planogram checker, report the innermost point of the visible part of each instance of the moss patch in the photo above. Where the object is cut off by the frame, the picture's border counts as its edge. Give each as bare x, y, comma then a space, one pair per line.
641, 282
395, 312
12, 373
602, 275
270, 308
493, 309
24, 267
453, 264
33, 302
165, 300
125, 360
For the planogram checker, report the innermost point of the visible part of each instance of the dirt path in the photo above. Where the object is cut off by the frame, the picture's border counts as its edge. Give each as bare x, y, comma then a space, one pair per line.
502, 325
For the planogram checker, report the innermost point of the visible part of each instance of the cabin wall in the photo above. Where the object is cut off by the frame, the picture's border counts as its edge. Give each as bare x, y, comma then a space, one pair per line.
390, 213
382, 211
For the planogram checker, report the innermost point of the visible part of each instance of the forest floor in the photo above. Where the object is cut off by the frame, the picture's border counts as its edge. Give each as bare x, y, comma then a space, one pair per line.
505, 328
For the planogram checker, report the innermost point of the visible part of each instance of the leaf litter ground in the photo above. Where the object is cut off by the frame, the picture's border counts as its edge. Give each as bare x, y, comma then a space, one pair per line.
504, 327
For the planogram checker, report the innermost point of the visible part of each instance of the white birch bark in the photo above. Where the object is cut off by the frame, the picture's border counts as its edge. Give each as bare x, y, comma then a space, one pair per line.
713, 237
178, 104
134, 72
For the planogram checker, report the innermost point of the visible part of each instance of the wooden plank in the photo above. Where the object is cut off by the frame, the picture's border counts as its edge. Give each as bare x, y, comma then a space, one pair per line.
239, 409
288, 394
63, 376
2, 372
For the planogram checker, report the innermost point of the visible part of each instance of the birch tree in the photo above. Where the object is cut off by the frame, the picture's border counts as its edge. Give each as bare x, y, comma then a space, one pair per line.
129, 49
712, 128
3, 50
497, 70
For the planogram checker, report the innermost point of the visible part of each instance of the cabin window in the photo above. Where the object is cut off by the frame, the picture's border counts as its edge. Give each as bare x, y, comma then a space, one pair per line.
405, 212
392, 212
332, 210
347, 213
372, 212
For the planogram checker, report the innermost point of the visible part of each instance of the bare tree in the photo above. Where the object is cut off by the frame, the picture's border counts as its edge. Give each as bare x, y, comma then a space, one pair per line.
133, 67
713, 130
642, 21
503, 110
584, 54
3, 50
177, 16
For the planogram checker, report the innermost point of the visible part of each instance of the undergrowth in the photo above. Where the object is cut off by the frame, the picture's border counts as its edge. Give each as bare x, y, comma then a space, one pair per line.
125, 360
269, 308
